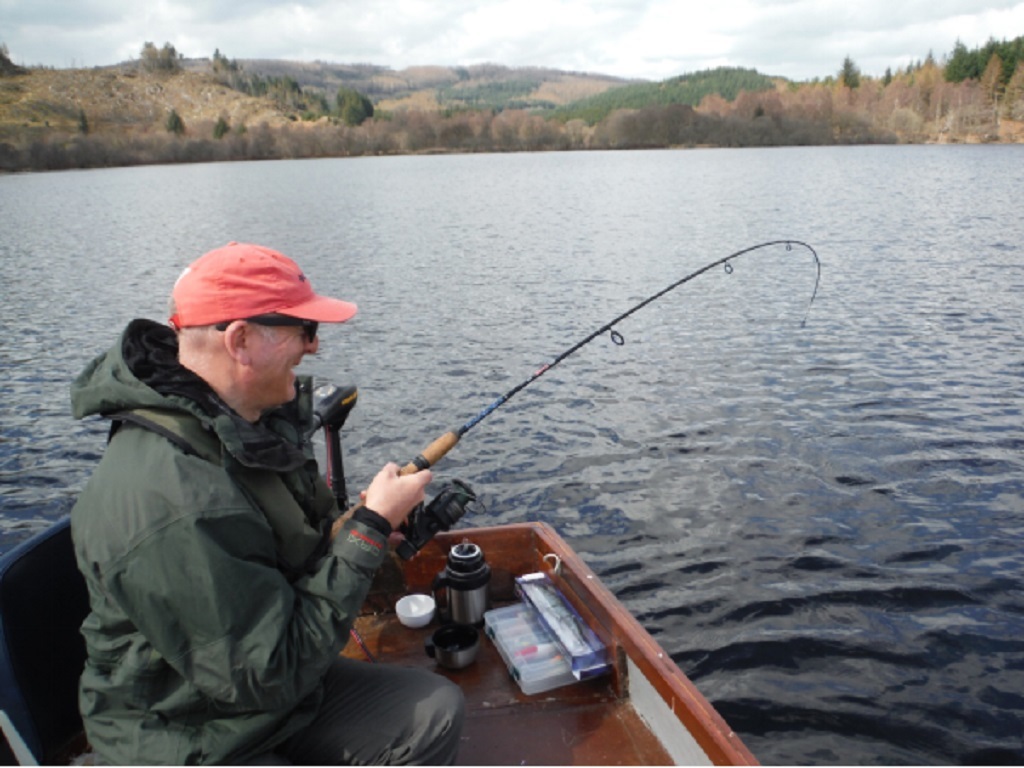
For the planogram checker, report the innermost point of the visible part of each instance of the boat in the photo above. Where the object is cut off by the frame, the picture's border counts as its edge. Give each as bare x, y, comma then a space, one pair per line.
43, 601
641, 710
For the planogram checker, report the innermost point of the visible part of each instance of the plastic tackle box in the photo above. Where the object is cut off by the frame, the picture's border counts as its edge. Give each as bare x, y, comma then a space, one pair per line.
533, 657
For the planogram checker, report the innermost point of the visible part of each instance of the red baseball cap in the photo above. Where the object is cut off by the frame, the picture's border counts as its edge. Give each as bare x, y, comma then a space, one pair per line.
242, 280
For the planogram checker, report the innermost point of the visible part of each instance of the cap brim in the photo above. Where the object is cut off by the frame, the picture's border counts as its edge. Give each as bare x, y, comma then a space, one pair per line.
322, 310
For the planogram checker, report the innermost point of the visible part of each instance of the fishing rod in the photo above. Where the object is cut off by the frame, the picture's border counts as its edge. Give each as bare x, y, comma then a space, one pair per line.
437, 449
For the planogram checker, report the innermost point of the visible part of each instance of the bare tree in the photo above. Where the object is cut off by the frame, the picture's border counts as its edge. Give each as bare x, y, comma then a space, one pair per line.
992, 85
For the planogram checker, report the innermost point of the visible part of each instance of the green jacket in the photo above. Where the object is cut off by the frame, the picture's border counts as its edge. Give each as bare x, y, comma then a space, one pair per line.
217, 597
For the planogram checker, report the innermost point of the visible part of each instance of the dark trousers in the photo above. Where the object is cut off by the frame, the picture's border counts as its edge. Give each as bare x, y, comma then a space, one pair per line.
381, 714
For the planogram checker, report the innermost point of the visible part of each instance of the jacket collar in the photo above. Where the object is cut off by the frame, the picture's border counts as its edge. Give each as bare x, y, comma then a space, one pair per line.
150, 351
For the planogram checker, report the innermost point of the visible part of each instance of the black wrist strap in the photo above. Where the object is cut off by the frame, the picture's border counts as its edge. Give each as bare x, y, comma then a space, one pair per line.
375, 520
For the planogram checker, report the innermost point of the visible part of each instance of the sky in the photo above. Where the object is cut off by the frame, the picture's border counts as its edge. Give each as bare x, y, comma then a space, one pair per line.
646, 39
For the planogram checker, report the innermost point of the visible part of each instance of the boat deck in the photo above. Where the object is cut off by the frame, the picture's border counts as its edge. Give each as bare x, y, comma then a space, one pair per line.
594, 722
584, 723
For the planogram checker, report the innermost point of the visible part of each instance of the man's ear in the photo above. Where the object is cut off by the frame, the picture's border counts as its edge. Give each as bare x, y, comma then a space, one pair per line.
238, 339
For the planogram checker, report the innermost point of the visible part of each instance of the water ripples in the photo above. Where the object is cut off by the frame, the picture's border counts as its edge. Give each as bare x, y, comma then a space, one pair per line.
822, 525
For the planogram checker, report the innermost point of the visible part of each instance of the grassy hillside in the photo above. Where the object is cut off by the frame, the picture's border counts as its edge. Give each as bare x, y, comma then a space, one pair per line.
119, 100
689, 90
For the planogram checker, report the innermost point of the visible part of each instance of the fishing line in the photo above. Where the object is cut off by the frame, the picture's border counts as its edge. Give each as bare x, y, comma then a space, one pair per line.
447, 441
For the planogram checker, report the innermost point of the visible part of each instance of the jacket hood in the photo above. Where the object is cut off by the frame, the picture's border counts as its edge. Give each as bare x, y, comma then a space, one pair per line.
142, 371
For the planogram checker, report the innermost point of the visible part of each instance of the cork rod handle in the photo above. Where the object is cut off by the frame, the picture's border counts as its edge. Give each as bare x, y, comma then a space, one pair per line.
431, 454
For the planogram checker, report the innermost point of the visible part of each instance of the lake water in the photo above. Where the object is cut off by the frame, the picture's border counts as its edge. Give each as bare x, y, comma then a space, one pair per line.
823, 524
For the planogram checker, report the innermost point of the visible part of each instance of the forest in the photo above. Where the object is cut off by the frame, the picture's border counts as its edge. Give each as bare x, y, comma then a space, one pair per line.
966, 96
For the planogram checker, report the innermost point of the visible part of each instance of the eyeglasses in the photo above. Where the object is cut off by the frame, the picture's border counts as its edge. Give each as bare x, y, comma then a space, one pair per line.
279, 321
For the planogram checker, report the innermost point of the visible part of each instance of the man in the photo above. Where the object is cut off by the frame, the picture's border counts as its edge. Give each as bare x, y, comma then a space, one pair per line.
219, 598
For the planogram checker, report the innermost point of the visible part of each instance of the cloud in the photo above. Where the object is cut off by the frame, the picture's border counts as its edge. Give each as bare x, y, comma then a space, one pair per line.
814, 37
652, 39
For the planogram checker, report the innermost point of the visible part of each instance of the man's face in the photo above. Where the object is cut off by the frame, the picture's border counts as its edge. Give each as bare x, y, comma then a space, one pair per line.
276, 353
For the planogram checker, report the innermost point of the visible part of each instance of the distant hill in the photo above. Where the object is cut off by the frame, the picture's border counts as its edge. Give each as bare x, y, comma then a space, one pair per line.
688, 90
480, 86
127, 97
163, 108
124, 96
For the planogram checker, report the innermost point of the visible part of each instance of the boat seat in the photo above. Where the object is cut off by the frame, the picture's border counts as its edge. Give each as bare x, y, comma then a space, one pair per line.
43, 601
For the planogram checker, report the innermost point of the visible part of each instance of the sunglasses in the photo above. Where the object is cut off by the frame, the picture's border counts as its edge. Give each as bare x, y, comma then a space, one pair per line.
280, 321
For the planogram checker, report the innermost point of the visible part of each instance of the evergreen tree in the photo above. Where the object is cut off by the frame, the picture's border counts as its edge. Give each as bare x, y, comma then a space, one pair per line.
970, 65
221, 128
174, 123
353, 107
849, 75
960, 65
83, 124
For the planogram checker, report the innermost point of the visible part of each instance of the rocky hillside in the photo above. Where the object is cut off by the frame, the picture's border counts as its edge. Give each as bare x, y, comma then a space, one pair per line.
117, 99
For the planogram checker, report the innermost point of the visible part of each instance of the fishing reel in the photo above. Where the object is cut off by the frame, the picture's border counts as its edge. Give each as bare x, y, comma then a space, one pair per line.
424, 522
332, 407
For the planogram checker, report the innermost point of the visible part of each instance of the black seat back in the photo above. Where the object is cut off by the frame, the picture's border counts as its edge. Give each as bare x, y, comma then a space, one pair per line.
43, 600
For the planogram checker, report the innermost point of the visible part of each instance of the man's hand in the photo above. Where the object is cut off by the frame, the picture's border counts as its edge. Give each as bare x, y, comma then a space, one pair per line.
393, 496
390, 495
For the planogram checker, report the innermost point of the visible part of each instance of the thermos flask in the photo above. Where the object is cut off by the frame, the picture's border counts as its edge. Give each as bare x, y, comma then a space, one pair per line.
465, 579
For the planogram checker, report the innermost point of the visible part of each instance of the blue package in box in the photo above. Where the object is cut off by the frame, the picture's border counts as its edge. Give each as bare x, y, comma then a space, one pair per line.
587, 654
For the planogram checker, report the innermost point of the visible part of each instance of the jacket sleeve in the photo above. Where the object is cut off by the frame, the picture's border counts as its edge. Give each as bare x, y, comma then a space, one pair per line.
206, 592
